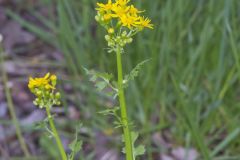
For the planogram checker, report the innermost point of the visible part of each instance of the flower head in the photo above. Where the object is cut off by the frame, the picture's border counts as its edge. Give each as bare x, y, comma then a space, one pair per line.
104, 7
134, 11
122, 21
122, 2
144, 22
43, 88
128, 21
43, 82
126, 15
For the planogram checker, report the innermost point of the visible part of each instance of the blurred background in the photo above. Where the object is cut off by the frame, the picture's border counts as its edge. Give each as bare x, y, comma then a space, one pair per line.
185, 103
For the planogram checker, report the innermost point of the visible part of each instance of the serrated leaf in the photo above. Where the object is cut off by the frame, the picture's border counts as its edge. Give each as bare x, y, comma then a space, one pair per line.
109, 111
137, 151
49, 147
134, 73
134, 136
76, 145
40, 124
102, 81
101, 85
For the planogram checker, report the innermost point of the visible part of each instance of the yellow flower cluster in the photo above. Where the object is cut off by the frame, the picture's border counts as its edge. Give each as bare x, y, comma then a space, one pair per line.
43, 88
126, 15
43, 82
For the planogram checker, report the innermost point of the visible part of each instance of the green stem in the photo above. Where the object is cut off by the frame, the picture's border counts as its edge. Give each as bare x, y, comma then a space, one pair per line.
11, 106
55, 134
123, 108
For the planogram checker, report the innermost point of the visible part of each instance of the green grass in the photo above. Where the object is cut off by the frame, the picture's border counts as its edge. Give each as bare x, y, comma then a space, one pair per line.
191, 85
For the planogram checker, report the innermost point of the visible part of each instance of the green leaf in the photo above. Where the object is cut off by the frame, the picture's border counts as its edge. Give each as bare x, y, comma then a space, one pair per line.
101, 85
110, 111
134, 136
231, 137
76, 145
137, 151
49, 147
134, 73
102, 81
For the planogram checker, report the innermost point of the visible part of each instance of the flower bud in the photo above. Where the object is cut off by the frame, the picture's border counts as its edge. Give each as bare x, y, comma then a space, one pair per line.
51, 96
122, 44
97, 18
129, 40
47, 94
35, 103
107, 37
110, 30
58, 95
53, 79
107, 17
47, 86
124, 33
38, 93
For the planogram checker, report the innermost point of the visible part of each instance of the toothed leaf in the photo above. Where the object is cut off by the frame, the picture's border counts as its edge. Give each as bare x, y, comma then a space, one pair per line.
76, 145
102, 81
134, 73
137, 151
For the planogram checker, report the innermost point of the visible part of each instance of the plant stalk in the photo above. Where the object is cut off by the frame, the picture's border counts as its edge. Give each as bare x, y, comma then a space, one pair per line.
123, 108
56, 135
11, 106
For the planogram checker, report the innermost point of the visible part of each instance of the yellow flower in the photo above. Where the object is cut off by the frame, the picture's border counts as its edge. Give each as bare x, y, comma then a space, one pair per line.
107, 17
133, 11
44, 90
41, 82
105, 7
122, 2
145, 22
119, 10
53, 77
111, 30
128, 21
125, 15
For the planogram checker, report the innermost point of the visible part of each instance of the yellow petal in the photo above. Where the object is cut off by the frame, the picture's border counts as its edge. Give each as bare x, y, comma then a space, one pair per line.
47, 76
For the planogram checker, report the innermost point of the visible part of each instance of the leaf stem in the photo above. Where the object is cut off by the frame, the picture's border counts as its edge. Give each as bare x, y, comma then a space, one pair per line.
55, 134
123, 108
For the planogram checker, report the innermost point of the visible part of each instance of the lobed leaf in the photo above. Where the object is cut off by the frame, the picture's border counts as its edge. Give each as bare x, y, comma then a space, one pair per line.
102, 81
137, 151
76, 145
134, 73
